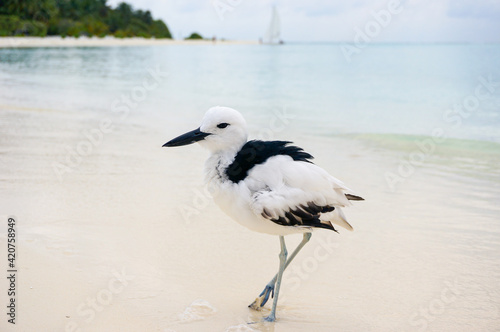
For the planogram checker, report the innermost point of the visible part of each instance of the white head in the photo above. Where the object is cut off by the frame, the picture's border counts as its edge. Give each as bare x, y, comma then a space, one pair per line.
222, 129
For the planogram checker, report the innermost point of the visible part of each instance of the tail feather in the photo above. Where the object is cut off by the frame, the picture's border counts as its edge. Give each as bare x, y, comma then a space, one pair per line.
354, 197
338, 218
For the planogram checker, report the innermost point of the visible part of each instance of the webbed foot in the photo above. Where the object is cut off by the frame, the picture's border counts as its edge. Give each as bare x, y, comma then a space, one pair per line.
263, 298
270, 318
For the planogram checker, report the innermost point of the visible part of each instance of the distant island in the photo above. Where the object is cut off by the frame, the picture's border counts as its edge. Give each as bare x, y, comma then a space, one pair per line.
194, 35
77, 18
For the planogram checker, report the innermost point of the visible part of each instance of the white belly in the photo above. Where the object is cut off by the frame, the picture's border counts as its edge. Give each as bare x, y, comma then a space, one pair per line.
235, 200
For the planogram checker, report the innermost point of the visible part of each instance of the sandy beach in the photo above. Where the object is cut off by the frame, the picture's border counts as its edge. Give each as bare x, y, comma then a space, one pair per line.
56, 41
116, 233
128, 241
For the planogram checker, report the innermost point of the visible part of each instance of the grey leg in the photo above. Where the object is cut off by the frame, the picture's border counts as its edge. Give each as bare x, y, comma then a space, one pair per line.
269, 289
283, 254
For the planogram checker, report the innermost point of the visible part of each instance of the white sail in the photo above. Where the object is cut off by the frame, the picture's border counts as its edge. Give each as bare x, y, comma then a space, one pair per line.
274, 30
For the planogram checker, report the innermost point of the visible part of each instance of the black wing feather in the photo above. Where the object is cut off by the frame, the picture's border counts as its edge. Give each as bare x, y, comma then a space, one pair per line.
257, 152
305, 215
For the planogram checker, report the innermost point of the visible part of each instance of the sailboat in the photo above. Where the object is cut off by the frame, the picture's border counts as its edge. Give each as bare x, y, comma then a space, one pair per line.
274, 30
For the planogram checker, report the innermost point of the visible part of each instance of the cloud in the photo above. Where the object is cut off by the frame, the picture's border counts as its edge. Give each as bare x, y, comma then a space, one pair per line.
480, 9
327, 20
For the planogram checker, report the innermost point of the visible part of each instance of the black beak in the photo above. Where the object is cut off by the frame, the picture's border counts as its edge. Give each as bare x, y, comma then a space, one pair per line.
187, 138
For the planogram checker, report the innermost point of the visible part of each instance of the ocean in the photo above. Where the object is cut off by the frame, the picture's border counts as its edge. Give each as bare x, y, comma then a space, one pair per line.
407, 89
389, 94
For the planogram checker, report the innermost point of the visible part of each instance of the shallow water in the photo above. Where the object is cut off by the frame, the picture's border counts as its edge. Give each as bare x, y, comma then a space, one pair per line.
424, 253
388, 88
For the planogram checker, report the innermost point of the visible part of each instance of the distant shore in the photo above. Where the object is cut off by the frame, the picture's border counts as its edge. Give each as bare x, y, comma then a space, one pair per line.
56, 41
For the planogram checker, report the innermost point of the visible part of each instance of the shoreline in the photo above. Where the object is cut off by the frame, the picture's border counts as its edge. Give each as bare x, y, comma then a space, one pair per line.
109, 41
65, 245
116, 232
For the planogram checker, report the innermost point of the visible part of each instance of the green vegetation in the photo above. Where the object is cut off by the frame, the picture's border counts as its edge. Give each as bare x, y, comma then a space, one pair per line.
77, 18
195, 35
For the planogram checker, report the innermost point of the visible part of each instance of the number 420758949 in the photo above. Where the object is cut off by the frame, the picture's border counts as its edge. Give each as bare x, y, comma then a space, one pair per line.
11, 247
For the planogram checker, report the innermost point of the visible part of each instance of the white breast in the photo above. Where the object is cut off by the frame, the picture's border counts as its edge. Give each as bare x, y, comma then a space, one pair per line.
237, 199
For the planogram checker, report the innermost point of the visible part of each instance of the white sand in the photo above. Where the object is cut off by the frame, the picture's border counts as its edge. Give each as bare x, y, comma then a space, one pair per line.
425, 256
56, 41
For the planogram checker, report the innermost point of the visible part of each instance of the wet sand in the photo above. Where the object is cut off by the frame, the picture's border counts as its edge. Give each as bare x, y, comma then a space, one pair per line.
127, 239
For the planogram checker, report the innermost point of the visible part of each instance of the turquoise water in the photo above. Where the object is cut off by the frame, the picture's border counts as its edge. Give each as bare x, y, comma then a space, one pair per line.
386, 89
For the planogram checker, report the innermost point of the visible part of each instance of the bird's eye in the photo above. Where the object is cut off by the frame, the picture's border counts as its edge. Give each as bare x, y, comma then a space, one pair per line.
222, 125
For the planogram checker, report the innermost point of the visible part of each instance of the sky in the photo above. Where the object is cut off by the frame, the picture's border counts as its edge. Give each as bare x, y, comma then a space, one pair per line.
332, 20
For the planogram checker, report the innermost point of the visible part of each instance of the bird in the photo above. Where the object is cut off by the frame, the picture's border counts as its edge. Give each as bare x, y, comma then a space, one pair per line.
270, 187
